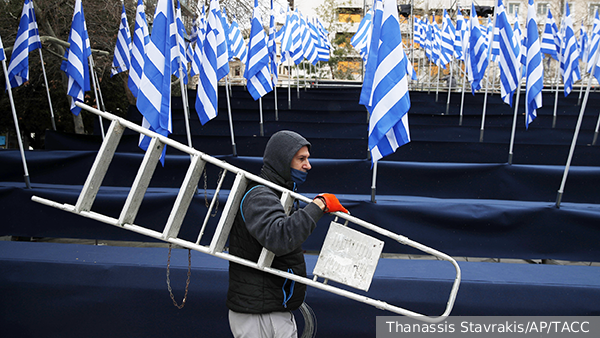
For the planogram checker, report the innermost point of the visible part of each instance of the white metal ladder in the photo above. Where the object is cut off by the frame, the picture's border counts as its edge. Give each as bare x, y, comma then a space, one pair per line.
216, 247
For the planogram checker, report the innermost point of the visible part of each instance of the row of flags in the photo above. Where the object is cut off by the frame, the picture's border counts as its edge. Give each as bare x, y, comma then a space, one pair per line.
518, 54
151, 59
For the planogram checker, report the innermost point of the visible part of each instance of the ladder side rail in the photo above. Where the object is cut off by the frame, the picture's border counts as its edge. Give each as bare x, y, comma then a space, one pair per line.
230, 210
141, 182
100, 167
184, 197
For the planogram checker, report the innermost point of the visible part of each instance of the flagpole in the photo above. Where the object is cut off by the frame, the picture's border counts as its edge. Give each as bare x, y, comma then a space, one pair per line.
17, 129
184, 97
289, 84
490, 46
373, 182
462, 98
233, 146
514, 125
449, 86
262, 132
437, 88
276, 107
575, 135
555, 96
297, 81
47, 91
91, 63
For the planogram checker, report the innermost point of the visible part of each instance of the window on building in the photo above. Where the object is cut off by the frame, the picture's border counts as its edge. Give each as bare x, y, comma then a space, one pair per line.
542, 10
349, 14
513, 8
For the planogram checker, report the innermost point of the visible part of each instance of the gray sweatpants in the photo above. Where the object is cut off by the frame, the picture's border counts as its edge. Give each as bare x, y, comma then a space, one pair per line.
267, 325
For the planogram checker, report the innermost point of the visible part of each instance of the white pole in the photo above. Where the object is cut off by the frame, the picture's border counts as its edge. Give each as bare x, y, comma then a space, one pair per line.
262, 132
514, 125
47, 91
289, 84
462, 97
437, 87
575, 135
491, 43
233, 146
449, 86
17, 130
91, 63
374, 182
555, 97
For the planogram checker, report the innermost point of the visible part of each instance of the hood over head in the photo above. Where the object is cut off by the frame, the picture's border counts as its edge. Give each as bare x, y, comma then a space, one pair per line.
279, 152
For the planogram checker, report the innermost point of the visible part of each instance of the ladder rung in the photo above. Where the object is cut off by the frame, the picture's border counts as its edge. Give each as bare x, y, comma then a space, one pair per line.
141, 182
229, 212
100, 167
184, 197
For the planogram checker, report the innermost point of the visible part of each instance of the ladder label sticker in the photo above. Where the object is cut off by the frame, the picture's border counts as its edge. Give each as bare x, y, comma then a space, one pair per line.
348, 257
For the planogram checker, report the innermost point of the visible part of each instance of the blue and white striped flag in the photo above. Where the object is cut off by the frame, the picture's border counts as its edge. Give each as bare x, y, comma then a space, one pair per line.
534, 69
519, 42
211, 67
550, 44
583, 43
389, 99
2, 55
257, 65
154, 96
594, 45
272, 47
76, 66
461, 27
569, 61
477, 61
508, 57
309, 43
28, 40
291, 42
238, 45
121, 59
141, 38
360, 40
179, 50
199, 46
322, 37
448, 36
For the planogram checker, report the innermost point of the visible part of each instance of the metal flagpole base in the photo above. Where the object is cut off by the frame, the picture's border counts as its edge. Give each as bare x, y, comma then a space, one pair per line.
595, 138
558, 199
262, 132
554, 121
373, 195
53, 123
27, 182
481, 135
510, 156
234, 150
460, 120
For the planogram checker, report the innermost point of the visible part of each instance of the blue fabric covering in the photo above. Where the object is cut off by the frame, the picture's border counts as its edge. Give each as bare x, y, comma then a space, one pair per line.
68, 290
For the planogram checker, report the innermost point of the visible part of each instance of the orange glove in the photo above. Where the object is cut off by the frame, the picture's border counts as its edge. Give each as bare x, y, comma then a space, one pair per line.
332, 204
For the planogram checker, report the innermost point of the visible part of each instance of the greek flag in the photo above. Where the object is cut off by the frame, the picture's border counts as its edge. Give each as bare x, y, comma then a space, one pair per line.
508, 57
495, 38
28, 39
238, 46
257, 65
461, 28
291, 44
321, 35
154, 96
76, 67
198, 47
519, 42
550, 44
583, 45
309, 44
178, 51
361, 39
569, 61
122, 48
594, 48
448, 36
272, 47
2, 55
534, 69
389, 99
212, 68
477, 59
141, 38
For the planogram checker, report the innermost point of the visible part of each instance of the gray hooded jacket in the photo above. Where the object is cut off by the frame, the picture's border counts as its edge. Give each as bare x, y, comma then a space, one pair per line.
262, 222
